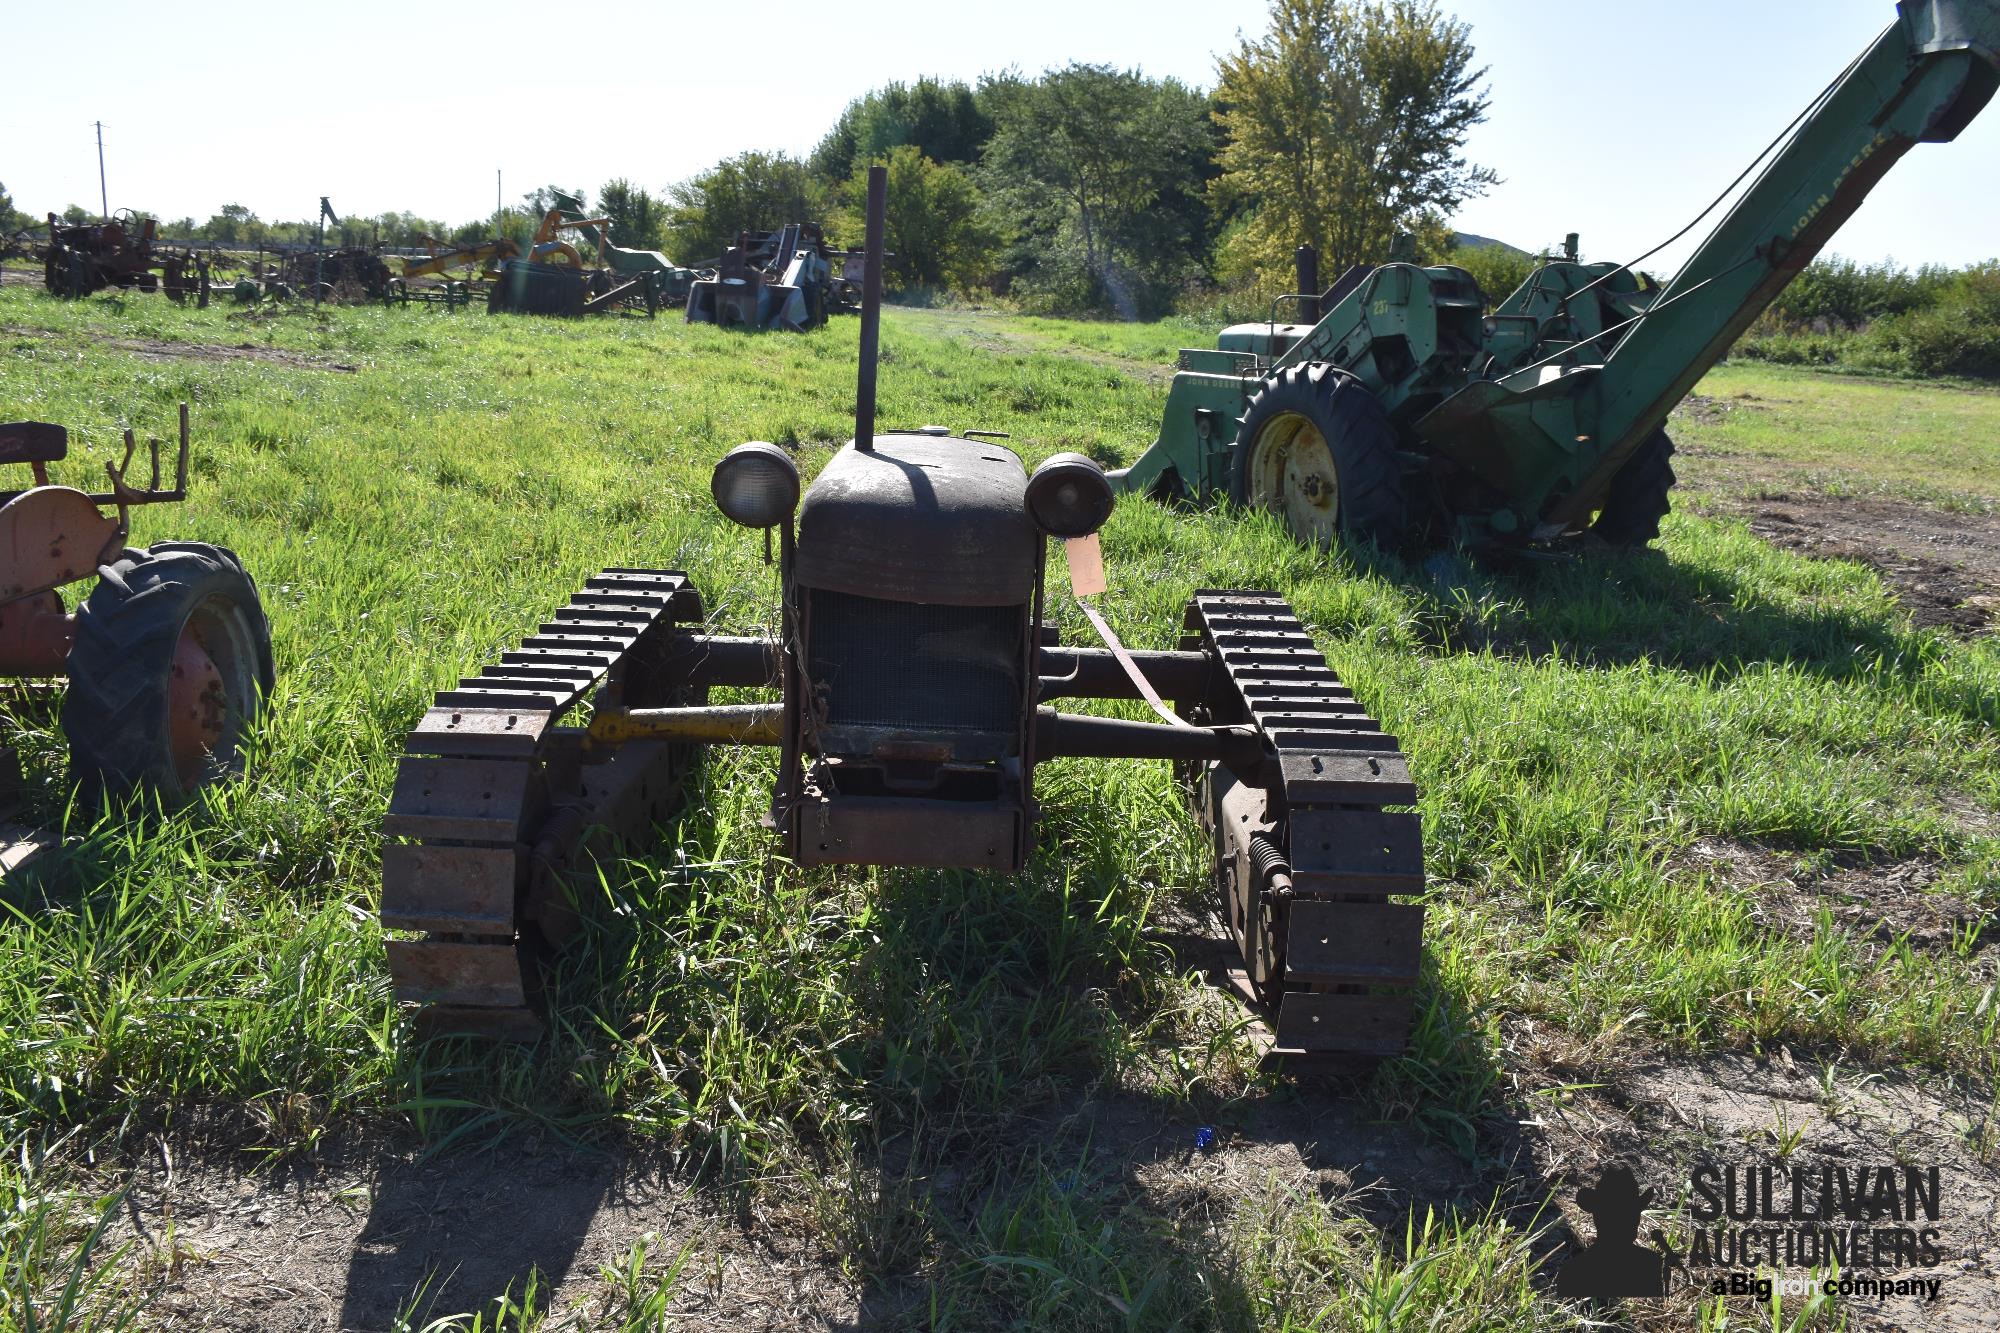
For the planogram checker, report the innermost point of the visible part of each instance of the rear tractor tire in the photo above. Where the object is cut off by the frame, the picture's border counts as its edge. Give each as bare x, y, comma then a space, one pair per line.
1637, 498
1316, 448
170, 666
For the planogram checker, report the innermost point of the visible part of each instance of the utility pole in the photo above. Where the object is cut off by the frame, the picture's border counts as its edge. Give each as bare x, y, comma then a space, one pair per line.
497, 209
103, 195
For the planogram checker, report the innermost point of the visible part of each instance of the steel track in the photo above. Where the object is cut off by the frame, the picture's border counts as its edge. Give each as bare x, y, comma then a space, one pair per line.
1308, 852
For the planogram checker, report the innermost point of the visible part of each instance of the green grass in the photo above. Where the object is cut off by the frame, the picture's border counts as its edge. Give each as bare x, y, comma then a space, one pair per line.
1575, 729
1851, 434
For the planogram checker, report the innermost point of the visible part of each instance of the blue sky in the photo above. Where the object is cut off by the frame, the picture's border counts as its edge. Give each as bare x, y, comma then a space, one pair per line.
1615, 120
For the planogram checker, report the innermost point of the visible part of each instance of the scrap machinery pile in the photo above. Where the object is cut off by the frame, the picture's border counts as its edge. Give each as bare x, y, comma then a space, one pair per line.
784, 279
121, 251
554, 280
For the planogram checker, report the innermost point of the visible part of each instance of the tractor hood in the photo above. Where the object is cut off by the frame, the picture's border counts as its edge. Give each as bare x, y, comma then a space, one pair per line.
921, 518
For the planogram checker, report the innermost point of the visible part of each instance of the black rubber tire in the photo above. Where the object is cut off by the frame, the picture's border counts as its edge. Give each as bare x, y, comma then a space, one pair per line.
1358, 434
1637, 498
115, 713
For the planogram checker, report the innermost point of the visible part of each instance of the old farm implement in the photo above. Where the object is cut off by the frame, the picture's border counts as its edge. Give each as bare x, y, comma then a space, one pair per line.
915, 680
1407, 411
85, 257
553, 279
784, 279
168, 658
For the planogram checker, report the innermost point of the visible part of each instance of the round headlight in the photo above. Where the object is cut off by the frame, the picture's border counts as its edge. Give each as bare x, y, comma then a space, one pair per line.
756, 485
1069, 496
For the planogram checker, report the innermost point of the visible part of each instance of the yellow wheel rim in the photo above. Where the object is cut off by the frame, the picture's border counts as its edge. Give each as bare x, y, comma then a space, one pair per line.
1292, 476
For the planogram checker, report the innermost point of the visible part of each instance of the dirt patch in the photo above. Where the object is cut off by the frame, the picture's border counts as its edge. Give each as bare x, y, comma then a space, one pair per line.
1945, 567
351, 1240
1665, 1119
1875, 901
364, 1236
152, 349
1706, 411
1942, 565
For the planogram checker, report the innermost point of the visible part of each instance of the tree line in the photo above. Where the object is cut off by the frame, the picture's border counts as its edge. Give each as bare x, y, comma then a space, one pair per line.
1087, 188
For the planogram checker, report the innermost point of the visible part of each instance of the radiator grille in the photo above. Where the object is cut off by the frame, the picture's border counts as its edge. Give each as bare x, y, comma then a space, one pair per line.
916, 667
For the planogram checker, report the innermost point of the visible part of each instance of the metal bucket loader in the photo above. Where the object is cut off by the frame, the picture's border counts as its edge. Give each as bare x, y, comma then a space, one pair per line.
169, 657
915, 680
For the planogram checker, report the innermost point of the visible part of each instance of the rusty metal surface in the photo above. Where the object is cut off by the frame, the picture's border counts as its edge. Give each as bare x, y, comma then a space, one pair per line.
486, 973
1363, 1025
726, 724
1307, 855
503, 805
908, 831
52, 535
81, 258
462, 890
35, 635
1341, 942
197, 707
921, 518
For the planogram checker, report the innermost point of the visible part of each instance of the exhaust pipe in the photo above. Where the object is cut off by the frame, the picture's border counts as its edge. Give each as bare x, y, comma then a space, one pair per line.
871, 311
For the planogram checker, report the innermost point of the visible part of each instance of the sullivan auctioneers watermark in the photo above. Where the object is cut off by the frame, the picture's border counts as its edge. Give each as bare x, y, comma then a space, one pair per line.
1872, 1224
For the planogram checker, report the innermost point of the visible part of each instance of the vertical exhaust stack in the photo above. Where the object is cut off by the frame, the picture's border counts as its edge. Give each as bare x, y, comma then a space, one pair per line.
871, 311
1307, 260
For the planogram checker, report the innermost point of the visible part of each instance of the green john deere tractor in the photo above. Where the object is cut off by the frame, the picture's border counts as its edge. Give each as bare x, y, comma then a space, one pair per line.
1407, 412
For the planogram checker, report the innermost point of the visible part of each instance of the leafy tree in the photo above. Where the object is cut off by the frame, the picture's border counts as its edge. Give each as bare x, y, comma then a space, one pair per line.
1097, 172
402, 229
1498, 269
233, 224
12, 219
636, 216
943, 121
1346, 123
750, 192
933, 226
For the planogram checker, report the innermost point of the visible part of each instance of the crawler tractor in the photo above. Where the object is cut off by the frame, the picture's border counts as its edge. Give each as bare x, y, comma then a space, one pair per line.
915, 677
168, 658
1406, 411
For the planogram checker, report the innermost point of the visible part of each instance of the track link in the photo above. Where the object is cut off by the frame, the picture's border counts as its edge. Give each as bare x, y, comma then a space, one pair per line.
493, 802
1308, 852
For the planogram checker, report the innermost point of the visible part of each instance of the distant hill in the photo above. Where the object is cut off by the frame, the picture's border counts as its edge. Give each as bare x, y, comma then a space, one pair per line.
1467, 240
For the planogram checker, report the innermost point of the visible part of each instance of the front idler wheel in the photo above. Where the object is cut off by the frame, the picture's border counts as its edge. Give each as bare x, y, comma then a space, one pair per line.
170, 666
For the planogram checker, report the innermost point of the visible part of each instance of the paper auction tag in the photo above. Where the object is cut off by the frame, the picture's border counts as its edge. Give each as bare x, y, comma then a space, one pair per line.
1086, 565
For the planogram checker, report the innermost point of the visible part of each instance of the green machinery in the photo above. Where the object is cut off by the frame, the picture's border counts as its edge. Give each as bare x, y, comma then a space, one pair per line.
626, 263
1406, 411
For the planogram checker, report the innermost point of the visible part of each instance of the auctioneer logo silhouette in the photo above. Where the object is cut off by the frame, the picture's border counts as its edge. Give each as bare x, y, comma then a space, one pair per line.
1613, 1266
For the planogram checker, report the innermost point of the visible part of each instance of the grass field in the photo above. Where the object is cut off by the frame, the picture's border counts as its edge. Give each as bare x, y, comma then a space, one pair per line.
903, 1073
